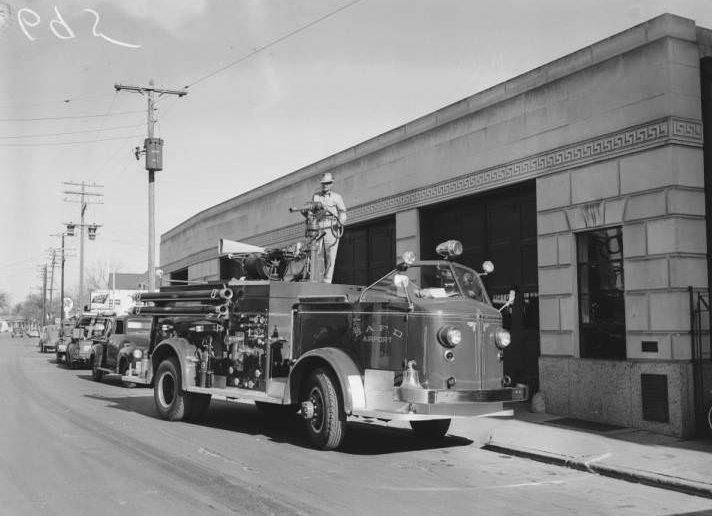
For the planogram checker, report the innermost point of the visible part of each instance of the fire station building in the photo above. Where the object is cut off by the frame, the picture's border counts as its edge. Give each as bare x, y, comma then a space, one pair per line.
584, 181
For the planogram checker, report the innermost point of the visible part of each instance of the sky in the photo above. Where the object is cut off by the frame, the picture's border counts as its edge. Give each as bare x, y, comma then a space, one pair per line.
272, 86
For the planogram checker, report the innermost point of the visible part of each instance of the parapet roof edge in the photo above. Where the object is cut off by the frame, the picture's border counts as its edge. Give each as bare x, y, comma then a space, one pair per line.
664, 25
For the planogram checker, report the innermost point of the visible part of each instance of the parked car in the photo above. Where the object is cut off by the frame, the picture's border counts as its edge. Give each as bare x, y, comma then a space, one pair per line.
17, 331
65, 336
49, 335
121, 352
88, 327
33, 332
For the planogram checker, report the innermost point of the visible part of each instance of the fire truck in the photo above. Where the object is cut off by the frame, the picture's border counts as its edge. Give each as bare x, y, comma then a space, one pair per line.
422, 344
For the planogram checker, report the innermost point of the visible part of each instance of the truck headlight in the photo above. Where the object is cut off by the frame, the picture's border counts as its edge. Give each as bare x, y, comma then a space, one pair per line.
449, 336
502, 338
137, 354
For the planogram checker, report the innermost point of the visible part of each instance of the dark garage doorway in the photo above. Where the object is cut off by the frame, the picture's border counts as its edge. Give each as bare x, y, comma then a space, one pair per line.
366, 252
501, 227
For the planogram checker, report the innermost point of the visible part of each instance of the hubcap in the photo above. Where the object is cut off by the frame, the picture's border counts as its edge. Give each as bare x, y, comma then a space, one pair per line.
317, 401
167, 389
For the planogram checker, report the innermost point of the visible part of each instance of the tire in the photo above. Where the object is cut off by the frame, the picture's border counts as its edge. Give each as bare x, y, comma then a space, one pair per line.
172, 402
327, 428
708, 420
95, 372
199, 404
430, 431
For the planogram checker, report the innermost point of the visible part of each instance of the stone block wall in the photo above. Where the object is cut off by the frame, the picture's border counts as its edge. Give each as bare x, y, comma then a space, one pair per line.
657, 197
610, 391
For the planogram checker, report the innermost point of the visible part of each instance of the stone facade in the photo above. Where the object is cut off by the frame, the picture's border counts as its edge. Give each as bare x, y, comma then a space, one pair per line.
612, 135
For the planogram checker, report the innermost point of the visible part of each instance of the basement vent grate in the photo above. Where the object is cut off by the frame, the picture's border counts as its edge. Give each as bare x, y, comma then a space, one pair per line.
654, 397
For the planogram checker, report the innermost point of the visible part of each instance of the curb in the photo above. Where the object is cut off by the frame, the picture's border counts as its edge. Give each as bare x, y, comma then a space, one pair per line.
639, 477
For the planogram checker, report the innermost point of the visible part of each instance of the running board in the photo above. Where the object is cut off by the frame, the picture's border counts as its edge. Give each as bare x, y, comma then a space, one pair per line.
235, 394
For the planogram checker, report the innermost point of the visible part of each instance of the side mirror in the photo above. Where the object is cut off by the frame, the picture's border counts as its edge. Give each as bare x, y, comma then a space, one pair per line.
510, 300
401, 280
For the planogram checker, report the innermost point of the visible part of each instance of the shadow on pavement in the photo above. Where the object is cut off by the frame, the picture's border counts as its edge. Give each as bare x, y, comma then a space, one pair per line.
361, 438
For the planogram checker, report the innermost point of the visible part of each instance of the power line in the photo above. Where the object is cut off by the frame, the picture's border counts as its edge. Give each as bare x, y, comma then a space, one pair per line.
272, 43
77, 117
42, 135
78, 142
56, 101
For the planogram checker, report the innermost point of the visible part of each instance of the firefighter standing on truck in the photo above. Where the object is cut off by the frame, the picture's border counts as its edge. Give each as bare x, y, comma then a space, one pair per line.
331, 224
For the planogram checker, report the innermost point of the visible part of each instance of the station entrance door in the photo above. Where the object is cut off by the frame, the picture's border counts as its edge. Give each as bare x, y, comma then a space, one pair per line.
499, 226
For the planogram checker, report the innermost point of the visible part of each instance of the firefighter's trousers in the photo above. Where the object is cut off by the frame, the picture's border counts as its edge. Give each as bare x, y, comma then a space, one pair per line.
328, 247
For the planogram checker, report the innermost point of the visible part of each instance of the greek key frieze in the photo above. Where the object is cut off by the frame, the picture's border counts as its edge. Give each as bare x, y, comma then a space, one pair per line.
597, 149
608, 146
687, 128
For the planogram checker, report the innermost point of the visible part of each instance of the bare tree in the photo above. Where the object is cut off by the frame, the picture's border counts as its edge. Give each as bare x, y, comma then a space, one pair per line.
99, 274
4, 301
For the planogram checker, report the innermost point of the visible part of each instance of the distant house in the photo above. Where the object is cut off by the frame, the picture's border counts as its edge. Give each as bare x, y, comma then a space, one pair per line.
130, 281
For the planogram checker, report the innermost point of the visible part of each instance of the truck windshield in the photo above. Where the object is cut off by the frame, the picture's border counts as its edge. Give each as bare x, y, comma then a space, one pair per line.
431, 281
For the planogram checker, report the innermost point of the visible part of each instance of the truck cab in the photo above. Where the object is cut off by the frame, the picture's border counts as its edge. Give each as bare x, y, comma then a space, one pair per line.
88, 327
122, 350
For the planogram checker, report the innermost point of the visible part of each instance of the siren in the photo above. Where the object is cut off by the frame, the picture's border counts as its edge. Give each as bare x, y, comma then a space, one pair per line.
228, 247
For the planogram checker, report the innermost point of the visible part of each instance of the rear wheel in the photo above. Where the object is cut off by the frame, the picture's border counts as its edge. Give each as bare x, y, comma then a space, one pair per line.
171, 400
326, 421
431, 430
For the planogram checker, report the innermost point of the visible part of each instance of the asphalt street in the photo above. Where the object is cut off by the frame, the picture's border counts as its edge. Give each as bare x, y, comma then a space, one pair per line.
70, 445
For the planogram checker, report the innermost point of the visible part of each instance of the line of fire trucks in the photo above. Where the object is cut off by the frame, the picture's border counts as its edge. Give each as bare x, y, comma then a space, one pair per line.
422, 344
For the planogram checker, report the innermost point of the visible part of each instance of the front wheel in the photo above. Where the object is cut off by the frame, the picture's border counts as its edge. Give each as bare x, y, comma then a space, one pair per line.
432, 430
171, 400
321, 404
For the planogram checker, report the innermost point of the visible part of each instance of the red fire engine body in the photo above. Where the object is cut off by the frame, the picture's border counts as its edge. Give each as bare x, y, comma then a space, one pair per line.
422, 344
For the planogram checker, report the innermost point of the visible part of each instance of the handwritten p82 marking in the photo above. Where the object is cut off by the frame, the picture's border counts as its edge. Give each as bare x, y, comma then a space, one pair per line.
27, 18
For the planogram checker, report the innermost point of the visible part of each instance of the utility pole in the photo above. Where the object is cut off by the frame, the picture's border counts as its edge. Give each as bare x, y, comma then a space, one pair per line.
44, 295
61, 288
62, 260
51, 282
84, 197
153, 149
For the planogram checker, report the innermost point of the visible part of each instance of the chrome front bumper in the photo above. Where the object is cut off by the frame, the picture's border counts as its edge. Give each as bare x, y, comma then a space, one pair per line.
443, 396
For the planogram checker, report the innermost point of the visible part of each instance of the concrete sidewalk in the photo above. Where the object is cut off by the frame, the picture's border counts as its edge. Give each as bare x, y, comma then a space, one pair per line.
635, 455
